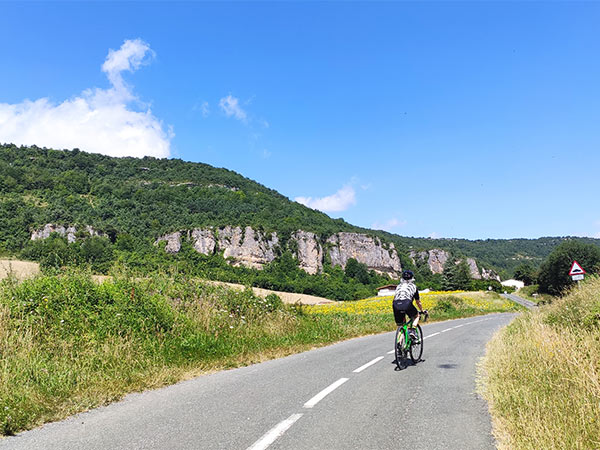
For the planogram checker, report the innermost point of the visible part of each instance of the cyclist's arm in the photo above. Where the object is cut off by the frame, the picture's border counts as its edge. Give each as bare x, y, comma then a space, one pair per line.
418, 301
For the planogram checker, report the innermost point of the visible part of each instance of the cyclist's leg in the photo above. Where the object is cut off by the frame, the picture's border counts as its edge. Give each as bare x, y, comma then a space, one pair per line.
414, 315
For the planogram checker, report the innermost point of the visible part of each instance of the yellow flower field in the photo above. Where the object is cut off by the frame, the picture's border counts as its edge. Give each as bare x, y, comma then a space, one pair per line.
473, 302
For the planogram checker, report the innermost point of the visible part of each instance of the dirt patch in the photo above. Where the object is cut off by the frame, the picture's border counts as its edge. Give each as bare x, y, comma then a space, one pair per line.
287, 297
20, 269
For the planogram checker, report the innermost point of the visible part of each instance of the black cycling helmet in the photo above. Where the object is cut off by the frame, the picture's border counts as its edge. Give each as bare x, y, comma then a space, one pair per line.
408, 275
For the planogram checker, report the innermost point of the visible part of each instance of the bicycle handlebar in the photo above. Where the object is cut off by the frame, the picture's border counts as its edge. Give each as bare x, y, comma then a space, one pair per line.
425, 315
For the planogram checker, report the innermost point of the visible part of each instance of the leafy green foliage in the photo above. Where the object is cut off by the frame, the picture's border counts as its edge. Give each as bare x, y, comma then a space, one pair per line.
526, 273
554, 273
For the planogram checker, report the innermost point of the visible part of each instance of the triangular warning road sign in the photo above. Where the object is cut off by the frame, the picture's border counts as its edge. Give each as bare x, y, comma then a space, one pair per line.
576, 269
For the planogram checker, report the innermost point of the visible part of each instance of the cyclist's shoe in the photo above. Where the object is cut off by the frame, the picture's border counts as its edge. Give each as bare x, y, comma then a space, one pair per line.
414, 337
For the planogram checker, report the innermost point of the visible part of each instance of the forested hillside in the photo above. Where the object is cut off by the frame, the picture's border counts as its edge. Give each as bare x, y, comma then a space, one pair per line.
132, 202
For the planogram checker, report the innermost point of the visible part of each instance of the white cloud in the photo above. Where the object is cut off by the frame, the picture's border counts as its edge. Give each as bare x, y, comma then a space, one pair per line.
340, 201
266, 153
205, 109
434, 235
231, 107
98, 120
388, 225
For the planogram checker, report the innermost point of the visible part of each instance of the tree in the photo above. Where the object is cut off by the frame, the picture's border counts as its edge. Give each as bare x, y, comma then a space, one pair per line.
456, 276
525, 273
554, 273
356, 270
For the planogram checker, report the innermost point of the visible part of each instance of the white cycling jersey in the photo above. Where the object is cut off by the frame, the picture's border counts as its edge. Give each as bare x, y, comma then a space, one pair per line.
405, 290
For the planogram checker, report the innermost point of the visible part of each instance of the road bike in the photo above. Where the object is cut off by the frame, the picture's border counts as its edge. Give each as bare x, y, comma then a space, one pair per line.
405, 345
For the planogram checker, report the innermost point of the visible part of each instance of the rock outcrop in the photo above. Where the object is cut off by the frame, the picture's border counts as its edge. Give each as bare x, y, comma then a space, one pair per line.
365, 249
488, 274
310, 251
204, 240
473, 269
70, 231
173, 242
250, 248
436, 258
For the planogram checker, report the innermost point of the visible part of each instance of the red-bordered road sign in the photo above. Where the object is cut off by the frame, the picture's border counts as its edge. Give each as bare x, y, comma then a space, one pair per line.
576, 269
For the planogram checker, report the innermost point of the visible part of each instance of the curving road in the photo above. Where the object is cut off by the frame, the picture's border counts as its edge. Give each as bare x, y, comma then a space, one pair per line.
521, 301
344, 396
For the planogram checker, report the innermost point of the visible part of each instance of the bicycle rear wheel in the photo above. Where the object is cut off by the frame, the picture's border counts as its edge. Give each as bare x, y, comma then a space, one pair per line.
399, 348
416, 350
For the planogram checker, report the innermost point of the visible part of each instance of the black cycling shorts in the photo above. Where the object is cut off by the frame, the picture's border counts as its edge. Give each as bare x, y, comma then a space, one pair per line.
402, 307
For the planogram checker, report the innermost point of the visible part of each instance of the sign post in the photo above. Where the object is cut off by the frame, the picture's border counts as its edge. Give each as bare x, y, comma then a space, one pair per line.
577, 273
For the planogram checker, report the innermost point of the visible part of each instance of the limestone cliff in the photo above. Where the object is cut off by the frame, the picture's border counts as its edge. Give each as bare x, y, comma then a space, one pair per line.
436, 258
69, 231
310, 251
173, 242
246, 247
365, 249
250, 248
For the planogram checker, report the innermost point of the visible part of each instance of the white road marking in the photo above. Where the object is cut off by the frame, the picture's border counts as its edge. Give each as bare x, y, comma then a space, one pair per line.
447, 329
275, 432
321, 395
393, 351
431, 335
370, 363
458, 326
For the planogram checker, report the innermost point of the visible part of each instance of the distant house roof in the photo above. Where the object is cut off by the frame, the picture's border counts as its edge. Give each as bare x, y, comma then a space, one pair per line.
514, 283
387, 286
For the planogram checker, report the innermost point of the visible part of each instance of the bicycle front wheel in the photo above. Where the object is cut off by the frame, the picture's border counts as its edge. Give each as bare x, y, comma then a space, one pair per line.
416, 349
399, 348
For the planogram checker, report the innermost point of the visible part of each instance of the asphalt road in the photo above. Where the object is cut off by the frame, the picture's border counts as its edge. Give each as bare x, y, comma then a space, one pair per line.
344, 396
515, 298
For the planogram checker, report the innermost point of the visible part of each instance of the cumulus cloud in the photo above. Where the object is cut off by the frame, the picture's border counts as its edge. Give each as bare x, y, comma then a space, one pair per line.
340, 201
97, 120
388, 225
231, 107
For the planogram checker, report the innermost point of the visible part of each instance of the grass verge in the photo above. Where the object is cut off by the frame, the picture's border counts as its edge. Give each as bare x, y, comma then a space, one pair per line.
541, 375
68, 344
531, 293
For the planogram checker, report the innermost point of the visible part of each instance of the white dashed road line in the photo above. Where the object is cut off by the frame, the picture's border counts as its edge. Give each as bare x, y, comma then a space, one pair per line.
274, 433
328, 390
370, 363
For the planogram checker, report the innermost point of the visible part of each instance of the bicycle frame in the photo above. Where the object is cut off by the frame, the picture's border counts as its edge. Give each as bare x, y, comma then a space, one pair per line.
407, 338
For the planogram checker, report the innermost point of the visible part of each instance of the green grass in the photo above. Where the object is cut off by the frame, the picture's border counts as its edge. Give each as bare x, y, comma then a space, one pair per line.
528, 292
541, 375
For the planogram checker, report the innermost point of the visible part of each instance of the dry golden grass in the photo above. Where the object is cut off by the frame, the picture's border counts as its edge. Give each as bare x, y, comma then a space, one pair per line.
541, 375
19, 269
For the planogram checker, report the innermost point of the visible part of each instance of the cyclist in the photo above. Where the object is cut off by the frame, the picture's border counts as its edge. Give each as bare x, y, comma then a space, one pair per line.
405, 293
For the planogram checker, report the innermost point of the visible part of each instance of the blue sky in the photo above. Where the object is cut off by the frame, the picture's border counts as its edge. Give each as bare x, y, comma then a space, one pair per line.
452, 119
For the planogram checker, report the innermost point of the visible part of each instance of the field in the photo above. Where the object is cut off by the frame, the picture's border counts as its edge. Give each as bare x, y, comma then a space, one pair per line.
69, 343
442, 305
541, 375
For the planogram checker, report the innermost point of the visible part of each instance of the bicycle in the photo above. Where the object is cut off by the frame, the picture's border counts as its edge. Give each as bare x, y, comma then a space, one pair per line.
405, 345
